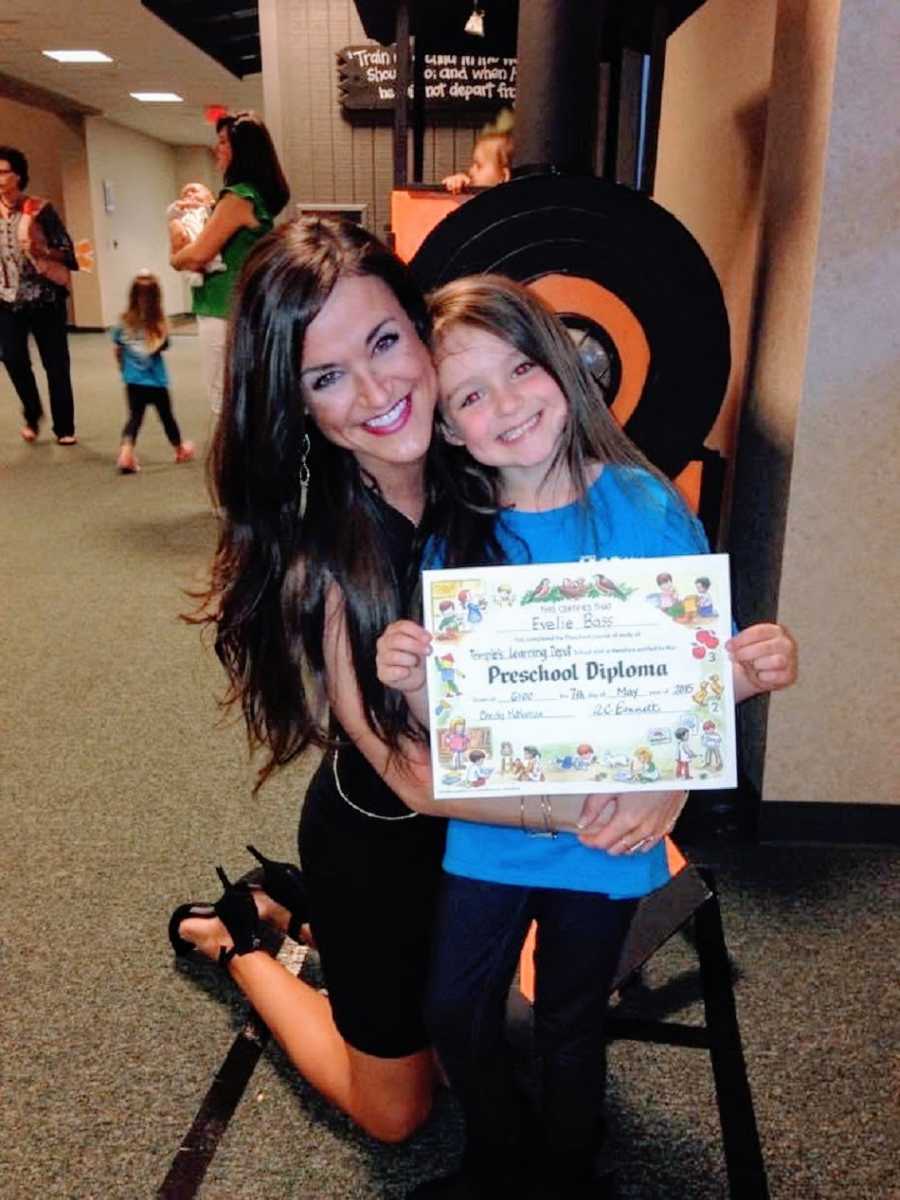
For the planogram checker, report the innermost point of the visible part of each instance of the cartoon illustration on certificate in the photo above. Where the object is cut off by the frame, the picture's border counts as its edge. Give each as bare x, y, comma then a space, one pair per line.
602, 676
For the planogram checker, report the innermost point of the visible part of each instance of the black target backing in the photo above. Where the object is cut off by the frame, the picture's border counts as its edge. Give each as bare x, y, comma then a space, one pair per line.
605, 233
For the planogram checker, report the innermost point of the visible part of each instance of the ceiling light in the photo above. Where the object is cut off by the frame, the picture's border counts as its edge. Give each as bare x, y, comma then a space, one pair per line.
158, 97
77, 56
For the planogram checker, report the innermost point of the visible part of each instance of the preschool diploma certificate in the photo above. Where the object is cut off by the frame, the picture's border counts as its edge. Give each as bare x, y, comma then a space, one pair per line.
593, 676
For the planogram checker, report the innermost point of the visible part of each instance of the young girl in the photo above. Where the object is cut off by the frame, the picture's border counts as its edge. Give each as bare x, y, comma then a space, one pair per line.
140, 339
547, 476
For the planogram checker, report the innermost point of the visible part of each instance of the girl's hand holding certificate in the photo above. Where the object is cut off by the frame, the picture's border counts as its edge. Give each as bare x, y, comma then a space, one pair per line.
400, 656
764, 659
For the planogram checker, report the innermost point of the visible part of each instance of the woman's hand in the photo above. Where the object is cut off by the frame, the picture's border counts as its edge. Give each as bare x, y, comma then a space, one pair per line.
628, 822
764, 659
400, 655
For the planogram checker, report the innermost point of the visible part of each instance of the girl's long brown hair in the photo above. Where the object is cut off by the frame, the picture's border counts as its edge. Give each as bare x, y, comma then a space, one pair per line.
518, 316
144, 314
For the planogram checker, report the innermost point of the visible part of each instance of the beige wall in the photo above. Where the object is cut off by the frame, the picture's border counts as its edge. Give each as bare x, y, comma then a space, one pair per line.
47, 140
69, 157
326, 157
777, 152
822, 436
87, 310
797, 136
710, 157
142, 174
195, 164
55, 149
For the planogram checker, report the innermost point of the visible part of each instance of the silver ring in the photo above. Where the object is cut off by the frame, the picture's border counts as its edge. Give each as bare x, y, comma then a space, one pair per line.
637, 845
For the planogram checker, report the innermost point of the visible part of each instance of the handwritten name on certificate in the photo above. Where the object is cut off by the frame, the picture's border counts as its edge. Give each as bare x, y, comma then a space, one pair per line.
594, 676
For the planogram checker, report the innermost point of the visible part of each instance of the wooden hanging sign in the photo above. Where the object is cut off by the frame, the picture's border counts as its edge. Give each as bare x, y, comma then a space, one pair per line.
367, 79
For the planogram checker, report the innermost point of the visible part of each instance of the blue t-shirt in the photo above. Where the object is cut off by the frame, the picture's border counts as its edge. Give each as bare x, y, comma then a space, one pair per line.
138, 365
630, 515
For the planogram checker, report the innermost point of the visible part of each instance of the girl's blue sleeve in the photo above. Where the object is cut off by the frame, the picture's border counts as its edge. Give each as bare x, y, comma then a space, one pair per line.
663, 523
688, 534
682, 533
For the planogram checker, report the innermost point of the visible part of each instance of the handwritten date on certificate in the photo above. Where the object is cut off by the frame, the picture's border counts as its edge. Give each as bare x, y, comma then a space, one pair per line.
601, 675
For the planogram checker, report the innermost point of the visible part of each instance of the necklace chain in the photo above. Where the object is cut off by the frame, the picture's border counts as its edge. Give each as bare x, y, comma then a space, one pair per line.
362, 811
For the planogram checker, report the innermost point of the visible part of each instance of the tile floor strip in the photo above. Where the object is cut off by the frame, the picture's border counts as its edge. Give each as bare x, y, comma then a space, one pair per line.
202, 1139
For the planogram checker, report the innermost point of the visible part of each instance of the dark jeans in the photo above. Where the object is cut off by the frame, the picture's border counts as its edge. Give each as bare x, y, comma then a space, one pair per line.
47, 323
477, 941
138, 399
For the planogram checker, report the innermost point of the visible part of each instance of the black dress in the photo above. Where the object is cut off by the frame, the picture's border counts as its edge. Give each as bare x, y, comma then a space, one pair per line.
373, 869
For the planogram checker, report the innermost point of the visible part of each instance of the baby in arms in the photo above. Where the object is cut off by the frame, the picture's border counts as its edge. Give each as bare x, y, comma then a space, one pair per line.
191, 211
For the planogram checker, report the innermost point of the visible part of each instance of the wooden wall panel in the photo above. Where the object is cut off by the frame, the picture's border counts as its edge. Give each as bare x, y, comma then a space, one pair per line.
328, 156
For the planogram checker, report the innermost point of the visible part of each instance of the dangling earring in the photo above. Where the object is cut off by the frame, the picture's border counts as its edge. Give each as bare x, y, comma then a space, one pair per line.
304, 474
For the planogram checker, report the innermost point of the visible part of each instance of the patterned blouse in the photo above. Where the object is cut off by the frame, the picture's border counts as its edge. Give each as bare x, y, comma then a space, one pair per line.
21, 285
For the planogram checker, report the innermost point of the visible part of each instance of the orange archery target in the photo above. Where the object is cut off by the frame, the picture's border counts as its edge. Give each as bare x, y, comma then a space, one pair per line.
615, 260
571, 294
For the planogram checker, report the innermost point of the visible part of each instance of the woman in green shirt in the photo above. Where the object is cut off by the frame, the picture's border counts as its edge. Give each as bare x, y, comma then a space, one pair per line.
254, 194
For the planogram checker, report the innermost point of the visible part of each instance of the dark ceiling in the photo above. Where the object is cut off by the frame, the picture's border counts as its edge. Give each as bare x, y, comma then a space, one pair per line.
441, 22
226, 30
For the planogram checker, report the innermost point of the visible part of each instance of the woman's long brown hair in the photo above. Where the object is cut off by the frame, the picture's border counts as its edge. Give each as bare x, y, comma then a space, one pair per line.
274, 565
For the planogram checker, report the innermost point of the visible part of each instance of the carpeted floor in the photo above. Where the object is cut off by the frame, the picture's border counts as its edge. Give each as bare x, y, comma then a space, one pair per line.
120, 789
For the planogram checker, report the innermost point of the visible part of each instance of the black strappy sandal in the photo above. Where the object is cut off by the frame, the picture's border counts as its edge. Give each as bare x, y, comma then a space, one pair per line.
235, 910
285, 884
